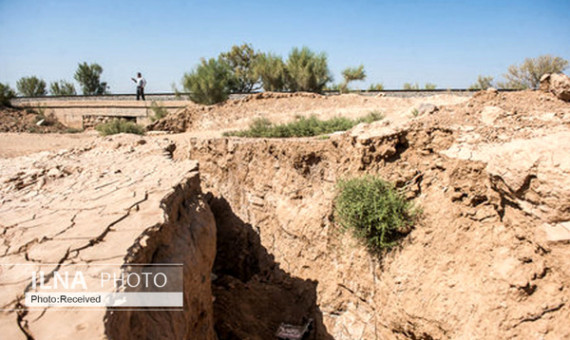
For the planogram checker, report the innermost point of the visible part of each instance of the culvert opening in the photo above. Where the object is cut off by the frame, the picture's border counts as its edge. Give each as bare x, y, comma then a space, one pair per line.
253, 296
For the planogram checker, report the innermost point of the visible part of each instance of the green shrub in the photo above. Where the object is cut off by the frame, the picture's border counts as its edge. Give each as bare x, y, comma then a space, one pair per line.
31, 86
271, 70
430, 86
483, 83
371, 117
376, 87
307, 71
210, 82
242, 61
528, 74
158, 110
373, 211
410, 86
351, 74
62, 88
302, 127
115, 126
6, 93
89, 77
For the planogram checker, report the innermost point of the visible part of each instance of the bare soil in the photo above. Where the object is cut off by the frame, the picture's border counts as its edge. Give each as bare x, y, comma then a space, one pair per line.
22, 120
284, 107
488, 259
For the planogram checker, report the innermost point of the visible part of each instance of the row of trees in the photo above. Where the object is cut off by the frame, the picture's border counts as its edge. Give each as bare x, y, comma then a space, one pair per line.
524, 76
87, 75
244, 70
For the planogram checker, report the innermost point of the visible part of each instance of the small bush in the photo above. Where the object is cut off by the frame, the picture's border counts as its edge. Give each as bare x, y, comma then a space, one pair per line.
483, 83
527, 75
302, 127
210, 82
373, 211
6, 93
62, 88
371, 117
158, 110
410, 86
430, 86
31, 86
307, 70
376, 87
119, 126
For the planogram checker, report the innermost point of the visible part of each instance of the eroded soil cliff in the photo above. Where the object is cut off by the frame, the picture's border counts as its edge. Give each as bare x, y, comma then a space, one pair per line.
488, 259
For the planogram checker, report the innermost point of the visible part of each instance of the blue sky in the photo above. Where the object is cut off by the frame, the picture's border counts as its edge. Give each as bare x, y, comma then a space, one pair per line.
447, 43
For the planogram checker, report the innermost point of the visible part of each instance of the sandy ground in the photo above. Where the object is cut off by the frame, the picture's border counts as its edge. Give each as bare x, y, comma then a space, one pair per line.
211, 121
20, 144
284, 107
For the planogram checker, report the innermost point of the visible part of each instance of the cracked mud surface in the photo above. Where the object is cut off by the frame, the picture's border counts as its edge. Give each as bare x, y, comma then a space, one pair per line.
86, 206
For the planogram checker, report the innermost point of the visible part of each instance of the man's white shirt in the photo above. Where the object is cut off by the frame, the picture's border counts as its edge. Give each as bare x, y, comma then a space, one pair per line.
140, 82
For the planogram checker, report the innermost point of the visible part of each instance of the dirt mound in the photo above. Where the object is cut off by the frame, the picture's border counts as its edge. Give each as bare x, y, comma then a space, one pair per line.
284, 107
492, 116
21, 120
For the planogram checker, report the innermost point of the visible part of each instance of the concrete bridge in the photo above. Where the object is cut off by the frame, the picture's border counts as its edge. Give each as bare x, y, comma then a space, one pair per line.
83, 112
86, 112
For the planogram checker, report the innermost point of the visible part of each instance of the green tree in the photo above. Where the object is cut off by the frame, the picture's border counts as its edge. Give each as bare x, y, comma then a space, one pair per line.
350, 74
430, 86
528, 74
6, 93
210, 82
483, 83
62, 88
89, 77
376, 87
271, 70
410, 86
307, 71
242, 60
31, 86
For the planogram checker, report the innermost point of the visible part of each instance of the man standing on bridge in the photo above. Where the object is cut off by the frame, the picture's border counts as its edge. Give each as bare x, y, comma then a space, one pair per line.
141, 83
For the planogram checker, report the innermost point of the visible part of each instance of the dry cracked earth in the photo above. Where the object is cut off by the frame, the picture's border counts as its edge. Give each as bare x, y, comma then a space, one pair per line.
251, 220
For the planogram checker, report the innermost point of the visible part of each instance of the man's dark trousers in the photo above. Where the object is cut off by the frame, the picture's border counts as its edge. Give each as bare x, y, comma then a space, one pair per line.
140, 92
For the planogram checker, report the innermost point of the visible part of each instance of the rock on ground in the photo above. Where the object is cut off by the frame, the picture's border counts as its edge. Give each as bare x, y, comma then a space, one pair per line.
557, 84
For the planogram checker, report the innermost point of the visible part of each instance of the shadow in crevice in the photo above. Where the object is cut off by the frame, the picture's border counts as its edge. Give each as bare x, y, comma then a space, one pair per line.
401, 146
253, 295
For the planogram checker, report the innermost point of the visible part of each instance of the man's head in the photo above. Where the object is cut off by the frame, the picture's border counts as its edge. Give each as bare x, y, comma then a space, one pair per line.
139, 75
